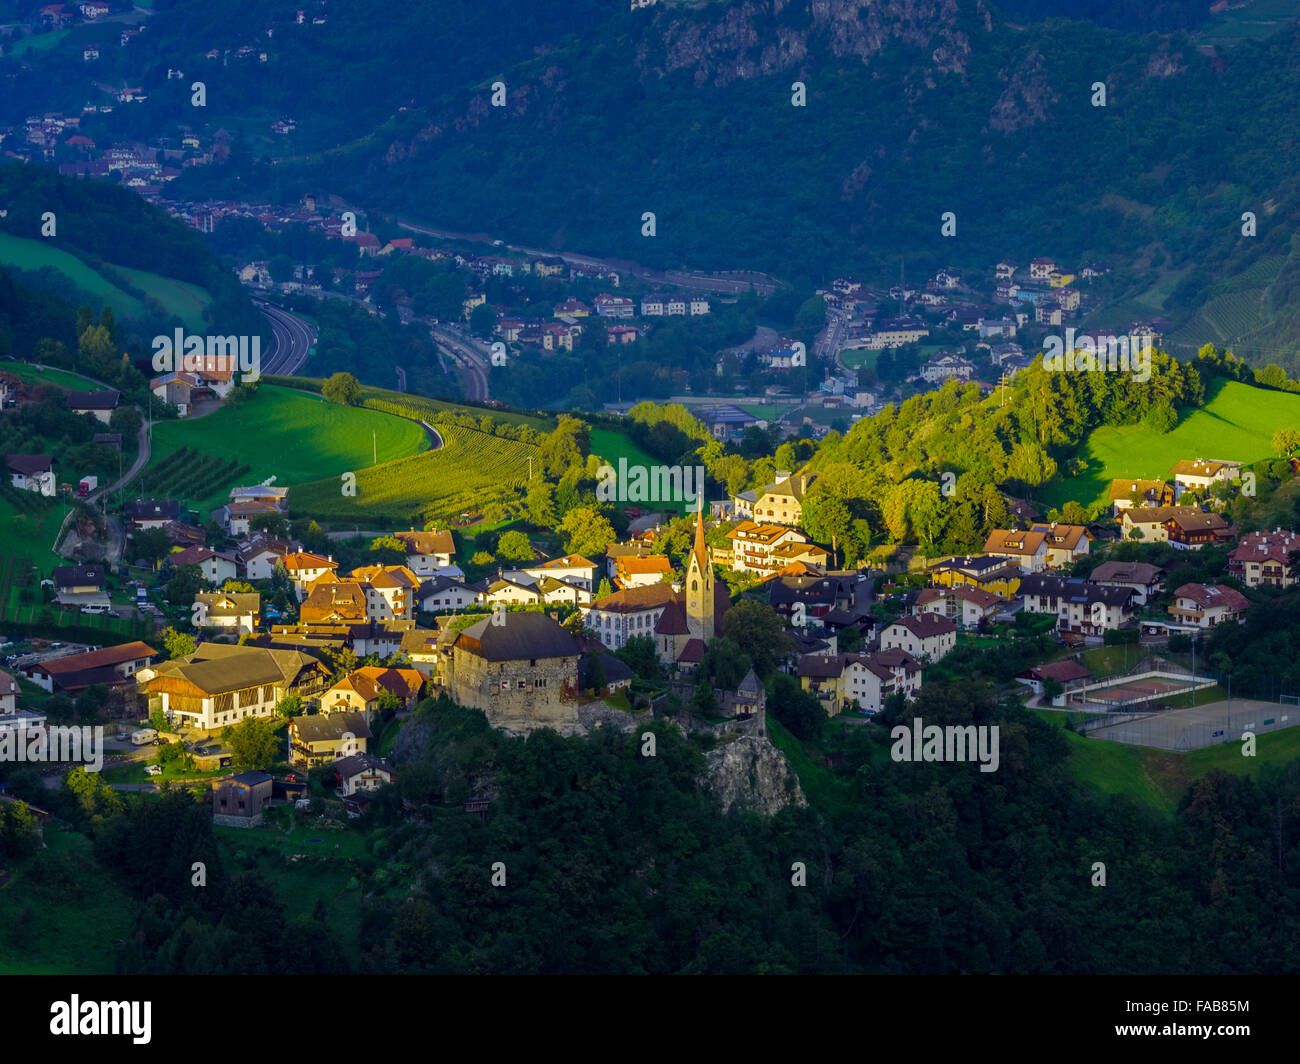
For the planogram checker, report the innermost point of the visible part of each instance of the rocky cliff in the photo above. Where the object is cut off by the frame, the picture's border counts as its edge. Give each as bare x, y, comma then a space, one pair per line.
750, 773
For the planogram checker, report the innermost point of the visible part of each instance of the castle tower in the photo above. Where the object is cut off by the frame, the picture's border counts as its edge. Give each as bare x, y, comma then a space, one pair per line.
700, 620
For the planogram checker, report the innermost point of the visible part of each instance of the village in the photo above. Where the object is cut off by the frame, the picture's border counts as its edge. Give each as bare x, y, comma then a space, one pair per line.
265, 629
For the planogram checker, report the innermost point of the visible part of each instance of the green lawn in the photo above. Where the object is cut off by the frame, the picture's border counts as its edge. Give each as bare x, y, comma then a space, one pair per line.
30, 254
858, 357
39, 42
1236, 424
134, 772
291, 435
29, 533
611, 446
60, 912
50, 375
186, 301
470, 471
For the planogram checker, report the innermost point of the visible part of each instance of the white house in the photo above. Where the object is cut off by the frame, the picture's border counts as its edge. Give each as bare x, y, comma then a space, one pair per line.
926, 635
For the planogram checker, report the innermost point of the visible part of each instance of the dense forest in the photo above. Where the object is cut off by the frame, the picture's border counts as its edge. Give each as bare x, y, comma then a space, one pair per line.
616, 862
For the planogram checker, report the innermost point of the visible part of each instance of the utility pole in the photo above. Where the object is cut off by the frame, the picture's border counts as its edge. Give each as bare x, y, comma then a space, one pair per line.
530, 468
374, 443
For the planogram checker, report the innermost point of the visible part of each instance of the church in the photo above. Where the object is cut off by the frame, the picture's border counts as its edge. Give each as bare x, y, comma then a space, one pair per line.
694, 614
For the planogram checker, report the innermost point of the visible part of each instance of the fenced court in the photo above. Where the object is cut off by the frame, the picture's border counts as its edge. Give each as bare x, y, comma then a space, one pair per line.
1144, 690
1200, 726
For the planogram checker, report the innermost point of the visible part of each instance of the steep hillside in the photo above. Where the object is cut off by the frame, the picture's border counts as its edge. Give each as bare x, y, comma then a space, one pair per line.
913, 108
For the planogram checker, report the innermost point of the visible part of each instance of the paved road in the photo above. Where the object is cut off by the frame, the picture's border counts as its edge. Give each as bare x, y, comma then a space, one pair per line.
292, 339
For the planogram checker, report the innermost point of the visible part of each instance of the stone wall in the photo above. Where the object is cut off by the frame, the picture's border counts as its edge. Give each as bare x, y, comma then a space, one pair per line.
476, 683
225, 820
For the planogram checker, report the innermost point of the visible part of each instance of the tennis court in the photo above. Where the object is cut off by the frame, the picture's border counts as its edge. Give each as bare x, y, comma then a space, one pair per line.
1134, 690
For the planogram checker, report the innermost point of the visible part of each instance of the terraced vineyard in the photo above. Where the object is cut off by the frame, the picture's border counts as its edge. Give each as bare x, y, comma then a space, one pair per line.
471, 470
189, 474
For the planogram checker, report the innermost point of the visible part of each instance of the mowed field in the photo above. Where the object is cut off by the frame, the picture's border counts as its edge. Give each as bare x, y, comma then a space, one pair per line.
1236, 424
33, 255
611, 446
186, 301
471, 470
27, 530
422, 407
51, 375
291, 435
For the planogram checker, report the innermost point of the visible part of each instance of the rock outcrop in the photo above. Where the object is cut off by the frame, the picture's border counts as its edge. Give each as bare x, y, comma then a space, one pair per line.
750, 773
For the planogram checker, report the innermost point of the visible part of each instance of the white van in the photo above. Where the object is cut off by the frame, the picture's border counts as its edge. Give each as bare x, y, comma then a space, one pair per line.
145, 735
97, 608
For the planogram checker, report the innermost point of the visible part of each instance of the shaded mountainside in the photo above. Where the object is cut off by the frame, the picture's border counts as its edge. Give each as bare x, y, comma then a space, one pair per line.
914, 108
106, 226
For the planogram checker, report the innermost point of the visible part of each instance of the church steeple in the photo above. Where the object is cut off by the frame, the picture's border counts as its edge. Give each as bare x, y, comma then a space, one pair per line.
699, 584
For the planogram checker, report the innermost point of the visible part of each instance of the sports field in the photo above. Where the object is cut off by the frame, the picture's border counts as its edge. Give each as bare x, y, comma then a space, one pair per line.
1138, 689
1201, 726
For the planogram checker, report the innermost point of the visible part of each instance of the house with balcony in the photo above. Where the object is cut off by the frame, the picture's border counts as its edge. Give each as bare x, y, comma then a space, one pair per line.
1262, 559
1207, 605
859, 682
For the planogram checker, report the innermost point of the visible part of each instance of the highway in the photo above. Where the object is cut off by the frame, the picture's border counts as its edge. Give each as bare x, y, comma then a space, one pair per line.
473, 360
293, 339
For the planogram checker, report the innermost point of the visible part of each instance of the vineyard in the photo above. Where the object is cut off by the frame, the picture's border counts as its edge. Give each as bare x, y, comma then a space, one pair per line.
471, 470
417, 406
188, 474
293, 436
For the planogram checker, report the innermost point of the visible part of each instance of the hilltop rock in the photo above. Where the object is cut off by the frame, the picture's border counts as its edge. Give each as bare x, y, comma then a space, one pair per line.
750, 773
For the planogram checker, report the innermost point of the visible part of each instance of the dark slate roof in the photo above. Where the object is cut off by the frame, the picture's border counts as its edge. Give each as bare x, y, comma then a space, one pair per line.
321, 727
615, 670
1074, 590
522, 636
77, 575
251, 779
152, 510
347, 767
100, 400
